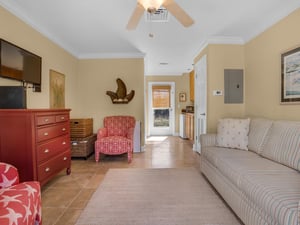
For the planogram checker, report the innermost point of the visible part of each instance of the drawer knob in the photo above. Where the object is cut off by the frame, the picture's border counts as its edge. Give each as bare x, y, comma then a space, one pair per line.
47, 169
46, 120
62, 118
46, 134
64, 143
65, 158
64, 129
46, 151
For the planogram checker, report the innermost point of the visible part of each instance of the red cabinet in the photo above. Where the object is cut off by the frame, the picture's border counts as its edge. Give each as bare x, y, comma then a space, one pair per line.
36, 142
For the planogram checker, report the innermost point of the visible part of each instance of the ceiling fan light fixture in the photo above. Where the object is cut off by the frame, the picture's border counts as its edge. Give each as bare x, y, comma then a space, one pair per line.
153, 8
151, 5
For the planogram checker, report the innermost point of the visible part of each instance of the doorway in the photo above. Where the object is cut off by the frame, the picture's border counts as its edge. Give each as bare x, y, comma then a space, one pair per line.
161, 101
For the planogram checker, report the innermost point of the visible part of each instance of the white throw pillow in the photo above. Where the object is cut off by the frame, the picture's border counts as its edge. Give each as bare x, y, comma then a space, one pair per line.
233, 133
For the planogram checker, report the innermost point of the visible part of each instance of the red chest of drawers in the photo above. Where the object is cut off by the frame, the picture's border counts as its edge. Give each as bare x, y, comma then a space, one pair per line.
37, 142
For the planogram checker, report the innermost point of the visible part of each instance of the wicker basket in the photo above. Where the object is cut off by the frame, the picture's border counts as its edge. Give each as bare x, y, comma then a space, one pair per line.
83, 147
81, 127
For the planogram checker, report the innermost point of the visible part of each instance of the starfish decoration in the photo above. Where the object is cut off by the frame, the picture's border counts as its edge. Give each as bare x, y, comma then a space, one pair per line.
7, 199
27, 212
12, 216
6, 182
30, 190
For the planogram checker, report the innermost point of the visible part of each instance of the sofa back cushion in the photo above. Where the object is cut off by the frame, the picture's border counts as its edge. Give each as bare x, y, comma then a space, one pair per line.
259, 128
283, 144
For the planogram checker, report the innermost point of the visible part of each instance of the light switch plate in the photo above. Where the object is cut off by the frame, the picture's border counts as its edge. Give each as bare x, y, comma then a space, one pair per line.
217, 93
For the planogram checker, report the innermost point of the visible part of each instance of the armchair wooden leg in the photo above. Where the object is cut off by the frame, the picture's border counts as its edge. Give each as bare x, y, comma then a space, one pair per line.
129, 157
97, 156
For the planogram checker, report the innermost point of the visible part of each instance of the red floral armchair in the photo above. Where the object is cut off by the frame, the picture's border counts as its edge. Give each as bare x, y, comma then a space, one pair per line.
20, 203
116, 137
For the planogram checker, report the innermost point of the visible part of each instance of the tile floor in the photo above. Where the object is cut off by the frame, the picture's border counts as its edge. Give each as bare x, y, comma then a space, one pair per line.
64, 197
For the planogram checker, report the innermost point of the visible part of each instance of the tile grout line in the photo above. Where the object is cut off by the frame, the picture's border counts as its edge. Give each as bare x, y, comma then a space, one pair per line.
70, 203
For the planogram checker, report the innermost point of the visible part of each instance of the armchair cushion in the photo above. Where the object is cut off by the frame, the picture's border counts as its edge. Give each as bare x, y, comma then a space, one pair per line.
20, 203
114, 145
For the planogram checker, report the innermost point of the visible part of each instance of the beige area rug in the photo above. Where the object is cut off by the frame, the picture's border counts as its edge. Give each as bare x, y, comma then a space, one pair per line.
155, 197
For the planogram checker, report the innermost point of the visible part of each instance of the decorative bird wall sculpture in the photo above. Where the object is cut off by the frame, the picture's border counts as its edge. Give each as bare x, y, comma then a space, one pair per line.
120, 96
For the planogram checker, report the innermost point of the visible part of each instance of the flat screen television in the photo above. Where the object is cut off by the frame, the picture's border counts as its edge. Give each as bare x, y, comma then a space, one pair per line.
19, 64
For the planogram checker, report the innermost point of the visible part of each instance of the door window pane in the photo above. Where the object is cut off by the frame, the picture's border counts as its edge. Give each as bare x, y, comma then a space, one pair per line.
161, 117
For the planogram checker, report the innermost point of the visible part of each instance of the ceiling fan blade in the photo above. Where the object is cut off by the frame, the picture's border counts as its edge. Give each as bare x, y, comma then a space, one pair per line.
135, 17
178, 13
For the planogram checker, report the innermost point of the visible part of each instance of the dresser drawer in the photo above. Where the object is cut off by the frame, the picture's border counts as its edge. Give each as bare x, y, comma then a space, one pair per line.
44, 120
52, 148
46, 133
62, 118
54, 165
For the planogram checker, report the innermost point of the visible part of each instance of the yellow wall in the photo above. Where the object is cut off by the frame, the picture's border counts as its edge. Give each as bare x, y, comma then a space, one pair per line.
263, 68
261, 60
181, 85
96, 76
86, 81
53, 57
220, 57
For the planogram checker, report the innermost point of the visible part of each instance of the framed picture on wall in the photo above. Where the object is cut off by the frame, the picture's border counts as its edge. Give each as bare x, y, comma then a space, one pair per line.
290, 76
182, 97
57, 90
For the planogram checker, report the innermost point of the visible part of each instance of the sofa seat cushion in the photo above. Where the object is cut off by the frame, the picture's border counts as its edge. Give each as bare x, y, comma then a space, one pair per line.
218, 156
277, 194
272, 187
235, 164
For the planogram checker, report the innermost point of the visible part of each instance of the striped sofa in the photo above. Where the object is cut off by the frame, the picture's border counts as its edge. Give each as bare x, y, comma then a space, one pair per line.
261, 185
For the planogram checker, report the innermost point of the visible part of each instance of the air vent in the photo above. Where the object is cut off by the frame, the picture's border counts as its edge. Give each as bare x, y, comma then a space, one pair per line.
163, 63
161, 15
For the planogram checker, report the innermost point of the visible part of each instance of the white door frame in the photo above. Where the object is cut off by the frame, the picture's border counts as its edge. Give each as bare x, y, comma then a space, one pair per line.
200, 101
163, 131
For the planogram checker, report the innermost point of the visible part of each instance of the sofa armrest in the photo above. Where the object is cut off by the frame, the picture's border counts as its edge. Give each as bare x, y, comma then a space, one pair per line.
102, 132
208, 140
9, 175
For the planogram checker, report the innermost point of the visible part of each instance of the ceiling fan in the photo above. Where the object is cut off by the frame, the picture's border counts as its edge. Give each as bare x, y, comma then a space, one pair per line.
151, 6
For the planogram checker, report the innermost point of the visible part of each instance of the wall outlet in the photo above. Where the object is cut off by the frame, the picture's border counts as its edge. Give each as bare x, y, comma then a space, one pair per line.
217, 93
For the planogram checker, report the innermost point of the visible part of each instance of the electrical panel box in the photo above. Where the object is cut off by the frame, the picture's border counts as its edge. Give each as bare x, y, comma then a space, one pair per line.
233, 86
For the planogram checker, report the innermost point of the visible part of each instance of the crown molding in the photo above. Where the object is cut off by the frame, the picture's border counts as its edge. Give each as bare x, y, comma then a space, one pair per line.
15, 10
219, 40
126, 55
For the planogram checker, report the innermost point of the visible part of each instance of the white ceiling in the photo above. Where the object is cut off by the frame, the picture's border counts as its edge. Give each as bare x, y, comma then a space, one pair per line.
97, 28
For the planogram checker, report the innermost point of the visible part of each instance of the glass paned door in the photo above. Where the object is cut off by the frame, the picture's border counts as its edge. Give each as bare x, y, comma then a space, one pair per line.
160, 109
